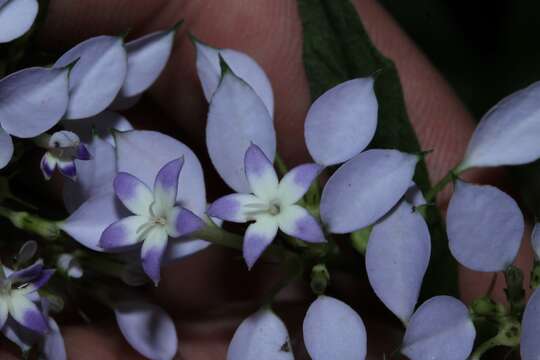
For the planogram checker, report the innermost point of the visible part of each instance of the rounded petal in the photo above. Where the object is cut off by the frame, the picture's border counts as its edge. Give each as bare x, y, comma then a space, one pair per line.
96, 77
414, 195
134, 158
148, 329
439, 329
16, 18
507, 134
258, 236
33, 100
53, 347
297, 182
261, 336
333, 330
260, 173
530, 328
235, 207
535, 240
365, 188
397, 258
297, 222
237, 118
63, 139
122, 233
484, 227
342, 122
133, 193
6, 148
102, 124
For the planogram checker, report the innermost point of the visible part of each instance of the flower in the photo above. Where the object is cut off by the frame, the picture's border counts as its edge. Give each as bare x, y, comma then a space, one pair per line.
272, 204
63, 147
155, 219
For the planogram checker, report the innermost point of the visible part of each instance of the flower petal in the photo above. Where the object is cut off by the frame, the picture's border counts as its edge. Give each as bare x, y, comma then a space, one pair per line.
24, 338
235, 207
123, 233
365, 188
333, 330
260, 173
535, 240
152, 252
342, 121
414, 195
439, 329
133, 193
82, 153
63, 139
4, 312
397, 258
484, 226
33, 100
146, 59
183, 222
148, 329
26, 274
166, 183
297, 182
6, 148
27, 314
67, 168
257, 238
96, 77
530, 327
134, 158
296, 221
16, 18
506, 135
237, 118
102, 125
261, 336
53, 347
47, 165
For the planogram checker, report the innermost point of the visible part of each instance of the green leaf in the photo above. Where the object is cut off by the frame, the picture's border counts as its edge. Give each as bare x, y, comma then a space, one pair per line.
337, 48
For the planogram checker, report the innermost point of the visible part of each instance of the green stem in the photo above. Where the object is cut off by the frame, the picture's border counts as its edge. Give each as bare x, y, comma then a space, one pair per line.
23, 220
432, 193
489, 344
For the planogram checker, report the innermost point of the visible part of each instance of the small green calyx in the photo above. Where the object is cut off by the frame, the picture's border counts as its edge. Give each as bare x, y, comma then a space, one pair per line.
320, 277
360, 239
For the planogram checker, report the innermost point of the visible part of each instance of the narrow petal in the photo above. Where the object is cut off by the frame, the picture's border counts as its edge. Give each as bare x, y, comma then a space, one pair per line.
4, 312
23, 337
365, 188
33, 100
38, 282
238, 208
82, 153
102, 124
133, 193
6, 148
530, 328
257, 238
27, 314
53, 347
47, 165
342, 122
261, 336
260, 173
16, 18
485, 227
296, 221
28, 273
397, 258
333, 330
125, 232
67, 168
148, 329
297, 182
439, 329
27, 251
237, 118
183, 222
152, 252
166, 184
97, 76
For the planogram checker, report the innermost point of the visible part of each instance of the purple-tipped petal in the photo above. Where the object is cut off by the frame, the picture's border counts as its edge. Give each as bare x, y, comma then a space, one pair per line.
257, 238
133, 193
484, 227
439, 329
342, 122
237, 118
89, 221
365, 188
530, 328
40, 281
235, 207
82, 153
296, 221
26, 274
148, 329
6, 148
147, 57
97, 76
53, 347
134, 158
152, 252
333, 330
260, 173
33, 100
397, 258
535, 240
166, 183
47, 165
297, 182
102, 124
123, 233
24, 338
183, 222
67, 168
27, 314
16, 18
506, 135
261, 336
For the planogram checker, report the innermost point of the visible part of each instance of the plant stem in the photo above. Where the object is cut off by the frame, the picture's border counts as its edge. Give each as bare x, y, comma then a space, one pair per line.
491, 343
23, 220
432, 193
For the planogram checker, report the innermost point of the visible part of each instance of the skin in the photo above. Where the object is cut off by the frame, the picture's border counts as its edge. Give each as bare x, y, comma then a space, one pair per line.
210, 305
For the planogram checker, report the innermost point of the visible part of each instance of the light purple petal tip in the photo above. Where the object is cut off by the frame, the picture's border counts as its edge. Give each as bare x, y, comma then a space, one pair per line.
233, 207
260, 173
257, 238
68, 169
47, 165
82, 153
152, 252
122, 233
296, 221
184, 222
297, 182
27, 314
133, 193
166, 183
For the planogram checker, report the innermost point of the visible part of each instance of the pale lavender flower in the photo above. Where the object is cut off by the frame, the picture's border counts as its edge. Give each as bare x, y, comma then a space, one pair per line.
69, 265
156, 216
63, 147
16, 18
530, 327
272, 205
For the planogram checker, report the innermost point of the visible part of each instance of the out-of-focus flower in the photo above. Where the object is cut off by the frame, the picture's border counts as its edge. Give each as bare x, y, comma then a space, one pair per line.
63, 147
69, 265
16, 18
